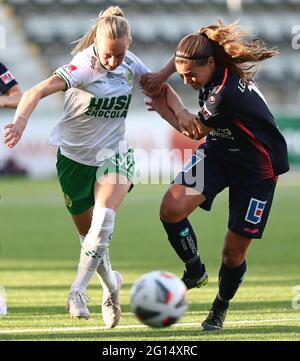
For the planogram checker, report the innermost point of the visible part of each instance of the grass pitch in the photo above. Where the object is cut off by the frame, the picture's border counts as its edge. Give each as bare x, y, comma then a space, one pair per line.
40, 250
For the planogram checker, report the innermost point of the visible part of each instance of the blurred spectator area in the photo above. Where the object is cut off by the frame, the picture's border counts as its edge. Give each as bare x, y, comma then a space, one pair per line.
158, 25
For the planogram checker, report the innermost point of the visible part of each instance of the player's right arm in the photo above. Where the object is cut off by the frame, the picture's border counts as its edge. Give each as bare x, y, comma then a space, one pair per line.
28, 103
169, 105
152, 83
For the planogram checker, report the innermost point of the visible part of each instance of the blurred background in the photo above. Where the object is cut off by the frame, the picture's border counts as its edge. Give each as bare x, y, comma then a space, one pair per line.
38, 36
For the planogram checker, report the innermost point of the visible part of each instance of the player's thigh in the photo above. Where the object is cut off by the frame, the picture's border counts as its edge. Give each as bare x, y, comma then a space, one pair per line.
198, 183
110, 190
114, 180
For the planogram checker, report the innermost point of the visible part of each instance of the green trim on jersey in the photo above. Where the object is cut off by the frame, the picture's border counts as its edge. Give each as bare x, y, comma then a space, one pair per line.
95, 51
78, 180
61, 75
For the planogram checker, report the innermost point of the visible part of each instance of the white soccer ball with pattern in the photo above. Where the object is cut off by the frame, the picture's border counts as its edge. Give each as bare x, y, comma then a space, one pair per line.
159, 299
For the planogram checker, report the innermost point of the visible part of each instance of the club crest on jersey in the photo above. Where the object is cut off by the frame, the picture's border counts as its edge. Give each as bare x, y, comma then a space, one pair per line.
255, 211
7, 77
129, 77
212, 99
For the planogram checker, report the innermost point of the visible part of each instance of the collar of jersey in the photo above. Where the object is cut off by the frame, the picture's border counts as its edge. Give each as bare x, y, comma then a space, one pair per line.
217, 77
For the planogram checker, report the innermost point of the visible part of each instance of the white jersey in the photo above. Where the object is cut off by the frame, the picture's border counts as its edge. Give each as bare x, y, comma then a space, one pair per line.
96, 105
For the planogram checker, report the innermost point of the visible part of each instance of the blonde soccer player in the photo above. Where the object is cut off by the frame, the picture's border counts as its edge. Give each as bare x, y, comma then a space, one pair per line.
94, 175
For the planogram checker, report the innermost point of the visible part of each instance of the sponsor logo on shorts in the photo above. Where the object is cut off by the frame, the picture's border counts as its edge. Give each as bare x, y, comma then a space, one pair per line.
255, 211
191, 163
252, 231
68, 200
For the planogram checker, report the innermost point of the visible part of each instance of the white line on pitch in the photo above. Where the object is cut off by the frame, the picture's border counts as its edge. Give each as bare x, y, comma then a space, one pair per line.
98, 328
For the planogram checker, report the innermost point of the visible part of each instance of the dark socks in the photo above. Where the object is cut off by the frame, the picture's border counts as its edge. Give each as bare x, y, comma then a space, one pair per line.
183, 239
230, 280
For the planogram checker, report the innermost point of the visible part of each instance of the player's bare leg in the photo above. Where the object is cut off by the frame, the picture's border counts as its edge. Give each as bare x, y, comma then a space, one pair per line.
83, 221
231, 275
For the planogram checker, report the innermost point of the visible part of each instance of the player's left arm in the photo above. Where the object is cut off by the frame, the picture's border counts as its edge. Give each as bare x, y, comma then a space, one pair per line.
12, 97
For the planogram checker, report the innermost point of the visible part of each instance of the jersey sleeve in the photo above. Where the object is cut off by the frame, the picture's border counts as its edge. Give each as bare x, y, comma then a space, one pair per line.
76, 73
138, 67
7, 79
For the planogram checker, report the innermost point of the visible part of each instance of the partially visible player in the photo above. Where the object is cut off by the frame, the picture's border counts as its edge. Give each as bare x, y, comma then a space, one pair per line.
10, 92
10, 95
94, 173
244, 151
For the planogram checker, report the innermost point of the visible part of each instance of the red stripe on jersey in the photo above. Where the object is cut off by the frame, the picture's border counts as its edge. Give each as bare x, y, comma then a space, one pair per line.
223, 81
266, 163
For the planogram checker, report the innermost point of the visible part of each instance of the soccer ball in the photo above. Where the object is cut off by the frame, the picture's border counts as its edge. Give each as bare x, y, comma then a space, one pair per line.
159, 299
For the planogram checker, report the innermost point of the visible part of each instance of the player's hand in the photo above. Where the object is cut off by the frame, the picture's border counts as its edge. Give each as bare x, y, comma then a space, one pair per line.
152, 84
157, 103
13, 132
188, 124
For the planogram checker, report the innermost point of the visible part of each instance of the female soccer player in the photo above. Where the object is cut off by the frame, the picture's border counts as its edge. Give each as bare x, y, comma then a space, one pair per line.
10, 92
94, 173
10, 95
244, 151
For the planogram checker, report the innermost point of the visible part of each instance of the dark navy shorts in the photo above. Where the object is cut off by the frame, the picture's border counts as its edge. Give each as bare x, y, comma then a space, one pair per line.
250, 198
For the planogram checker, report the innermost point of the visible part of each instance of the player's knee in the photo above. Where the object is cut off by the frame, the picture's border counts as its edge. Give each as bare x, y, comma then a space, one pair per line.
232, 258
170, 210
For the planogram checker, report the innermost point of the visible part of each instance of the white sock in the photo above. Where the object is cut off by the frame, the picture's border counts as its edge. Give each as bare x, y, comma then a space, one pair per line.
94, 247
83, 275
104, 272
106, 276
81, 238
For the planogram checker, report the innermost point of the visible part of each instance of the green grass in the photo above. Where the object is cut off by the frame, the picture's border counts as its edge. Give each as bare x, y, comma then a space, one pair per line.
40, 249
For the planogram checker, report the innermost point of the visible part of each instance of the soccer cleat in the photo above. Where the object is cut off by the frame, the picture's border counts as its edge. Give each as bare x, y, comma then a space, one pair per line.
214, 320
111, 310
194, 282
76, 305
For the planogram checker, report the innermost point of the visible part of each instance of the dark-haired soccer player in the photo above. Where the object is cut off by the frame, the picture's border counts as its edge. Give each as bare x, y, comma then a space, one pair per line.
244, 151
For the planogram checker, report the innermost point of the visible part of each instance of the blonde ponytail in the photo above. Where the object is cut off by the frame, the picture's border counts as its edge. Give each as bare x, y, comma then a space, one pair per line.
225, 44
111, 23
112, 11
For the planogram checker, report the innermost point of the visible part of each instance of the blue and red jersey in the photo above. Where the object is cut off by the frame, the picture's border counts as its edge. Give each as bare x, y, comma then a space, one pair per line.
245, 135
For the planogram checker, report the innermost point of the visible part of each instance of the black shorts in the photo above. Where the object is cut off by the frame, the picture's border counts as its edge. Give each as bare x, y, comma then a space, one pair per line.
250, 198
